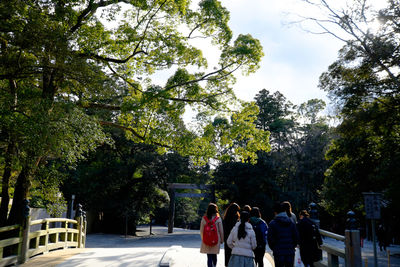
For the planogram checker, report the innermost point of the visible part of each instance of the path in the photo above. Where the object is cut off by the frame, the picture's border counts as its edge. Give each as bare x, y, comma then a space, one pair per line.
180, 249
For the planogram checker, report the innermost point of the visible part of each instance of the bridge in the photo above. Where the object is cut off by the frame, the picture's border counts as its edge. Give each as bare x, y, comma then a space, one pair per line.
63, 243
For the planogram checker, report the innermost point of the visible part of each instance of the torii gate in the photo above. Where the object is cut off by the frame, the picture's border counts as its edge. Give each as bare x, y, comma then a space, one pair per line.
173, 195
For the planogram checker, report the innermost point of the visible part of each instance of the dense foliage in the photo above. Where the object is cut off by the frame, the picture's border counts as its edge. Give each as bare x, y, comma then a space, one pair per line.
69, 68
364, 82
293, 169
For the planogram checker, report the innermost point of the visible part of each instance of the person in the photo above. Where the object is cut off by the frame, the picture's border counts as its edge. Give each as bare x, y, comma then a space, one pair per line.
212, 251
260, 228
282, 237
231, 217
381, 235
246, 208
242, 241
288, 209
309, 240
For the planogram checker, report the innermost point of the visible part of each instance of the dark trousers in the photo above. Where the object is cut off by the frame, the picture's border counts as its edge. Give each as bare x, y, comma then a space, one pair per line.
228, 253
211, 260
259, 256
284, 260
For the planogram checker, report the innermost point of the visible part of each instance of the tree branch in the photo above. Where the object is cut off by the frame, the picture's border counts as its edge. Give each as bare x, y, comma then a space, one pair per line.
111, 124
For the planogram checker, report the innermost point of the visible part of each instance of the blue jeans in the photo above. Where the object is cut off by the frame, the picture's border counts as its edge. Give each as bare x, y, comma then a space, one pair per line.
211, 260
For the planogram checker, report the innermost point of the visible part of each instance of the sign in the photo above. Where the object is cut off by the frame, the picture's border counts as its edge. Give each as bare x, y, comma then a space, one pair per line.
372, 205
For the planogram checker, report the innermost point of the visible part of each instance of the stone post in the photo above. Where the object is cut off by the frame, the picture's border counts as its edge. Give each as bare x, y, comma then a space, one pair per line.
352, 242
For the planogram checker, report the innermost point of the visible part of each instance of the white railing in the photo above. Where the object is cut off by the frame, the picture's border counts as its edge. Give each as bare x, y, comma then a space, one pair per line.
19, 243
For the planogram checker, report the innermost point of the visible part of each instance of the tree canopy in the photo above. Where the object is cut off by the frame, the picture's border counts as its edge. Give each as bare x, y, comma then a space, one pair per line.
364, 82
69, 68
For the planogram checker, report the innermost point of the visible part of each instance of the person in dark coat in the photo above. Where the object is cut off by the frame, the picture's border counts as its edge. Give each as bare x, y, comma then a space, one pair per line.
260, 228
282, 238
231, 217
309, 240
381, 235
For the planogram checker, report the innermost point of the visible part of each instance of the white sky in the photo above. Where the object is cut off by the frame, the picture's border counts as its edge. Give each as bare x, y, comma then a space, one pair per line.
293, 59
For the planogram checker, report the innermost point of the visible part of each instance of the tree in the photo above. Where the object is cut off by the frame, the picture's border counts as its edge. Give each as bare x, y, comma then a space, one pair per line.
294, 169
364, 82
365, 158
69, 68
274, 116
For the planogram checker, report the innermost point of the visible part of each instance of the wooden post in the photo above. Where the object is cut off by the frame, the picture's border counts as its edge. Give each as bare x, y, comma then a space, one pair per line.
79, 219
84, 222
353, 249
388, 254
171, 211
352, 242
23, 256
333, 260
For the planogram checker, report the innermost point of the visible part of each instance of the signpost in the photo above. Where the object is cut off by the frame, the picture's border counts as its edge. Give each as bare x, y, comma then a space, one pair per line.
373, 211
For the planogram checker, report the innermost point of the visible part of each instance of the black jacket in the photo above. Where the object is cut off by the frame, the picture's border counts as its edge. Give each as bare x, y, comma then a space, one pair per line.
282, 235
310, 239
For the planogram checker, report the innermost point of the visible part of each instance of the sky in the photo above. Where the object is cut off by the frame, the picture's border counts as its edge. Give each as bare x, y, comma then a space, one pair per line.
294, 59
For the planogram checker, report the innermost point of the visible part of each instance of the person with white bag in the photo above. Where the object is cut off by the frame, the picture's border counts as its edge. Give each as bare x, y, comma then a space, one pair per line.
282, 238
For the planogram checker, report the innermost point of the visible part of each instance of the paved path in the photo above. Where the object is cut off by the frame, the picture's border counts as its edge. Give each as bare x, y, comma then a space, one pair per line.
180, 249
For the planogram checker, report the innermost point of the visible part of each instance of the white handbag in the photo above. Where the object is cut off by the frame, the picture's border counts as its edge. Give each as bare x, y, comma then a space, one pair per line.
297, 259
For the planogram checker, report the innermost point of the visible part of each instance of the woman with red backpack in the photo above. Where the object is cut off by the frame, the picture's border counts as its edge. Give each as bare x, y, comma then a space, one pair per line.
212, 234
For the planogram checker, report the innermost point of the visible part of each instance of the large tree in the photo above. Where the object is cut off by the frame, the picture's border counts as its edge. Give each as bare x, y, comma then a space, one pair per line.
70, 67
293, 169
365, 83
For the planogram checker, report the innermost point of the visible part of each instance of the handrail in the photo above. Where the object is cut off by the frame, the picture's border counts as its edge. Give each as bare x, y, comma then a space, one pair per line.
332, 235
333, 253
9, 228
26, 243
40, 221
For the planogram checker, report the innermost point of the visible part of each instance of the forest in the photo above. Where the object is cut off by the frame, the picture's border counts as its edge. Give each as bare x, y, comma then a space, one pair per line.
83, 112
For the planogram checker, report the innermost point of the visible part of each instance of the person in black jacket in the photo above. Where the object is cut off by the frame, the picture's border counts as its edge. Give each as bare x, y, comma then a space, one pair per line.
260, 228
231, 217
310, 240
282, 238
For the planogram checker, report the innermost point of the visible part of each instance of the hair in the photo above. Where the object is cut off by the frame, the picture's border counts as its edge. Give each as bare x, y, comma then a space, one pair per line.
287, 207
232, 212
304, 213
255, 212
278, 208
246, 208
211, 210
244, 217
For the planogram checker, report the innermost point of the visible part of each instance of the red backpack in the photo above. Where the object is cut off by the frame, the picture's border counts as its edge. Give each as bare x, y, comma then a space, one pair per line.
210, 234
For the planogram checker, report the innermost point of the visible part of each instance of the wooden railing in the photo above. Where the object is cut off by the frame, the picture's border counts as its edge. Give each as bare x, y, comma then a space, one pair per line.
333, 253
351, 253
22, 241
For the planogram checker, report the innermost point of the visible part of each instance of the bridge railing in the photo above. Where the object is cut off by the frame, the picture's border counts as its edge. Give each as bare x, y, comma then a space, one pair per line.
333, 253
350, 251
20, 242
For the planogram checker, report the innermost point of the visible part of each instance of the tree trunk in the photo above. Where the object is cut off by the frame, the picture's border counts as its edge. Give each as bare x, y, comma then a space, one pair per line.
20, 193
5, 197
